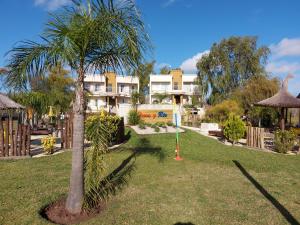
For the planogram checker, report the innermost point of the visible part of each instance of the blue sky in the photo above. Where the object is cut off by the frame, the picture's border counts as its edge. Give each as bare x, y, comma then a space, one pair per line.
182, 30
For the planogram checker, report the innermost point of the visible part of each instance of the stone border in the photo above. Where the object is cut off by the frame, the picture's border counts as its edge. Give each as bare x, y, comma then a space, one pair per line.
149, 130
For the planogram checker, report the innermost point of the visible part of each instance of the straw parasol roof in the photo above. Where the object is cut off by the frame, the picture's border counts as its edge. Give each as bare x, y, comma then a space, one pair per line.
283, 99
7, 103
3, 70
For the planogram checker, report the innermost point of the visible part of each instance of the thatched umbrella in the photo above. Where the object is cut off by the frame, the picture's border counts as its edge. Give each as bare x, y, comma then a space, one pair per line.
7, 104
3, 70
283, 100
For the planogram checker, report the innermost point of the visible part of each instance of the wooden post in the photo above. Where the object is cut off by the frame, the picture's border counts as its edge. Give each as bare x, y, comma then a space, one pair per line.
262, 138
6, 137
23, 140
16, 138
28, 140
61, 127
19, 140
282, 124
1, 138
67, 133
11, 136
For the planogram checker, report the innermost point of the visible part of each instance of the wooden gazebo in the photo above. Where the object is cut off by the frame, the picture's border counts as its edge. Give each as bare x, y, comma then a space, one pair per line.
14, 135
282, 100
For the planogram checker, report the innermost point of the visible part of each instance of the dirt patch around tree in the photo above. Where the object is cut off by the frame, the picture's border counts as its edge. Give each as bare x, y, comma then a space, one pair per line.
56, 213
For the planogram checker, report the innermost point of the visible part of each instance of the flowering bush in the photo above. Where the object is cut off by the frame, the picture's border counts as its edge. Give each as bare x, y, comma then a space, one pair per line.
48, 144
110, 122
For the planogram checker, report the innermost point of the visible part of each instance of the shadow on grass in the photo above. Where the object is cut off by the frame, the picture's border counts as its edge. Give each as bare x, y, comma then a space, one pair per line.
144, 147
127, 136
113, 182
284, 212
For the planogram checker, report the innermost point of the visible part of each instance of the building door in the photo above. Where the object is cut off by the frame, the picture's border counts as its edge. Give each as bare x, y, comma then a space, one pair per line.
177, 99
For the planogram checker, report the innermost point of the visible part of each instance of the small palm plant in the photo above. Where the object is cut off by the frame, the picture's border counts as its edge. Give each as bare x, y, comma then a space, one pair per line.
87, 36
98, 187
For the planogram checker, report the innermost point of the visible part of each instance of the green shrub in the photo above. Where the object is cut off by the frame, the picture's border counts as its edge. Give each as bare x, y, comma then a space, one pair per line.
156, 129
110, 122
284, 140
133, 117
234, 128
153, 125
142, 125
169, 123
220, 112
148, 124
160, 124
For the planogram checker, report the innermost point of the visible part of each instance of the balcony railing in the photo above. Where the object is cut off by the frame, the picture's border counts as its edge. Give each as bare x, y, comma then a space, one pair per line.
126, 91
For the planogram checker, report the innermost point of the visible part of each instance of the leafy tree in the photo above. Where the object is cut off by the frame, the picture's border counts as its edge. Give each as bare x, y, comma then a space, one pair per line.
37, 104
229, 65
256, 89
220, 112
60, 88
135, 99
160, 96
164, 70
87, 36
143, 73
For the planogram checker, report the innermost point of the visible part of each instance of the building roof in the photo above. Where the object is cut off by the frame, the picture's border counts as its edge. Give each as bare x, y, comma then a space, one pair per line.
283, 99
7, 103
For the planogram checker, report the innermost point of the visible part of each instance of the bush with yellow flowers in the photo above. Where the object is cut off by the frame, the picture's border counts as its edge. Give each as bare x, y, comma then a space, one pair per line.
48, 144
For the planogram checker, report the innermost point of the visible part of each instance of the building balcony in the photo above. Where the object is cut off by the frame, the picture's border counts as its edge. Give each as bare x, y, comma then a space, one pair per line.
126, 92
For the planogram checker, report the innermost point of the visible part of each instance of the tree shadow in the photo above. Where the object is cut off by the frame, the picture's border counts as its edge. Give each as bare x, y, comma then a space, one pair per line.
113, 182
144, 147
127, 136
284, 212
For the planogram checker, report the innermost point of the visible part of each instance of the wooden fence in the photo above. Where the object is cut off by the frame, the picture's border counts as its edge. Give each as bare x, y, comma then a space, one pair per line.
14, 138
66, 128
255, 137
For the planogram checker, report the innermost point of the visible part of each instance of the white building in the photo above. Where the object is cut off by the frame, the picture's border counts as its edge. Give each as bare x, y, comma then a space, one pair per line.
107, 91
176, 87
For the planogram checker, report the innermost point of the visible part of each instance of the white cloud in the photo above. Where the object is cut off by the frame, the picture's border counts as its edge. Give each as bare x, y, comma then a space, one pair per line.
51, 4
189, 65
282, 67
286, 47
168, 3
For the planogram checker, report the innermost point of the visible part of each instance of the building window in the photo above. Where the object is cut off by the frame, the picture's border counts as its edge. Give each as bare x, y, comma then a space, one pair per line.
132, 88
97, 87
175, 85
109, 88
122, 88
87, 86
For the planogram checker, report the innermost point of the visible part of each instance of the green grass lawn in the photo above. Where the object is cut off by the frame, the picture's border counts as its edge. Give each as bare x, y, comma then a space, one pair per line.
207, 187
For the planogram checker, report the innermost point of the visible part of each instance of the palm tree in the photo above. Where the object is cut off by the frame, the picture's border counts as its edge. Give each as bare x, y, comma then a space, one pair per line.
88, 36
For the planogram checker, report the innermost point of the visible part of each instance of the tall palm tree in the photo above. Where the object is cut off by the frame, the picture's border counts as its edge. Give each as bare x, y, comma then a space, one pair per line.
88, 36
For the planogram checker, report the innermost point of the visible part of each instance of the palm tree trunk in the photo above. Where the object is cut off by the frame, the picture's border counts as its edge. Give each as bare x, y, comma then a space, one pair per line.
76, 192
